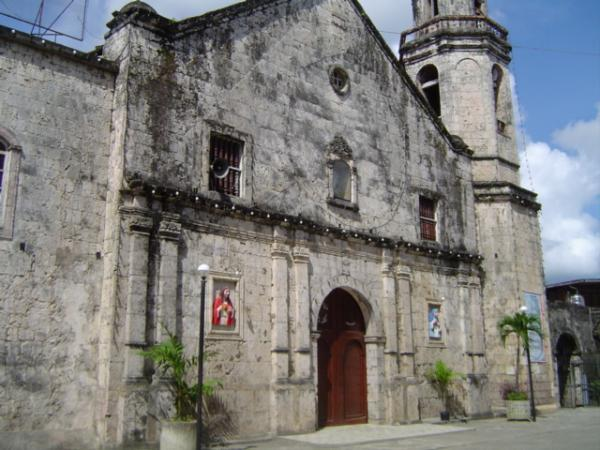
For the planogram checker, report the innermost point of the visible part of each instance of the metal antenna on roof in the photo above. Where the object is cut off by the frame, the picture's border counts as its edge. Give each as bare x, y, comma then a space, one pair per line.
54, 15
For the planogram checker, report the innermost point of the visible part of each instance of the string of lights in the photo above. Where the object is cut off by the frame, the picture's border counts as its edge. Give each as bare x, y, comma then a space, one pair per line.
196, 200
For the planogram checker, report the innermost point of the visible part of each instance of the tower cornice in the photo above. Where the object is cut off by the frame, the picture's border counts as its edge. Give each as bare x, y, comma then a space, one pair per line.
447, 33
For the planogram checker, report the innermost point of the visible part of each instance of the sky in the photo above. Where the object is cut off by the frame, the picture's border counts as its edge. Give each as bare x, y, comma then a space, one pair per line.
556, 69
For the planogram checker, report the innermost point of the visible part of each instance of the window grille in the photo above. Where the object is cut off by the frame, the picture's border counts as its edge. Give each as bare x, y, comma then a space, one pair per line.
427, 218
226, 153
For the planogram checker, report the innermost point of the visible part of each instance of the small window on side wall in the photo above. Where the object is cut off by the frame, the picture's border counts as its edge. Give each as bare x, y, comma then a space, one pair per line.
428, 224
225, 165
10, 156
428, 80
342, 175
342, 180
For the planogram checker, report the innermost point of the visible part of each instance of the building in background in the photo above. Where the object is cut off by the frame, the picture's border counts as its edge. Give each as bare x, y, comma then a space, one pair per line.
574, 315
361, 215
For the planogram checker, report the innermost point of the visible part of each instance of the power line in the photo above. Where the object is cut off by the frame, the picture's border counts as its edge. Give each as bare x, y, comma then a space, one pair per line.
525, 47
557, 50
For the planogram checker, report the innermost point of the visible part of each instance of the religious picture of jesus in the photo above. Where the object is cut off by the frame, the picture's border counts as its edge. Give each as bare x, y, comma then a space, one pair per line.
223, 312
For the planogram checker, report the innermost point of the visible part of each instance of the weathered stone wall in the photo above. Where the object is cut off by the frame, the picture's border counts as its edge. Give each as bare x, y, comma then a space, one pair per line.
466, 84
266, 78
58, 107
573, 320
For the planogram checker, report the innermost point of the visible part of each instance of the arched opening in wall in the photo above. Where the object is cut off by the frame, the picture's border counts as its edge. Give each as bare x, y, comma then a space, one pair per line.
566, 346
342, 370
429, 82
497, 75
435, 10
478, 6
342, 180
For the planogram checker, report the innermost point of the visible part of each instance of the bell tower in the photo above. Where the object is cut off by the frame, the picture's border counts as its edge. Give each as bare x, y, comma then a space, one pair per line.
458, 58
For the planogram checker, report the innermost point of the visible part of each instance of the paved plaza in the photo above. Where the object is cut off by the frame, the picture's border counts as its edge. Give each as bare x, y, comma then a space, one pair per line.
570, 429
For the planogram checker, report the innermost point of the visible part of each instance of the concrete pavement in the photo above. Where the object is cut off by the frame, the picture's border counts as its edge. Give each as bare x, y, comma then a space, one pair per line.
570, 429
564, 429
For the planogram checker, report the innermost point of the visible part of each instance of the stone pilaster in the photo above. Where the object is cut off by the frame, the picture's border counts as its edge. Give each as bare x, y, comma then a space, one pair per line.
279, 313
405, 323
169, 233
302, 362
139, 224
407, 394
390, 326
375, 377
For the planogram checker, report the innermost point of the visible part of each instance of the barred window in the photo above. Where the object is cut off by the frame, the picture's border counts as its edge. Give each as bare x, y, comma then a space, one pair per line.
225, 165
427, 218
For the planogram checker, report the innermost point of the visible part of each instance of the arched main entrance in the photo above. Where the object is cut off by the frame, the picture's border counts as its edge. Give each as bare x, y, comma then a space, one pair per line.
342, 368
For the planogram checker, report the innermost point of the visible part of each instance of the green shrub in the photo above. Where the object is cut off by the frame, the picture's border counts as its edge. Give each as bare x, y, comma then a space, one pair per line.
516, 395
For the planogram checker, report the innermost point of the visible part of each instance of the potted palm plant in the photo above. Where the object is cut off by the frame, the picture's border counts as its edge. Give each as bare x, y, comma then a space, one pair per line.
520, 324
441, 377
179, 432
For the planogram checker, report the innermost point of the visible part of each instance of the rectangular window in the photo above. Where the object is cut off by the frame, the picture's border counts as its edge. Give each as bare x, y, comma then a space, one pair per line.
427, 218
225, 165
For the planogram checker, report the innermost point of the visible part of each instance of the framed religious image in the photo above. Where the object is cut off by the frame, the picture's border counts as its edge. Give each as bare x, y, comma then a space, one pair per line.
224, 308
536, 345
434, 322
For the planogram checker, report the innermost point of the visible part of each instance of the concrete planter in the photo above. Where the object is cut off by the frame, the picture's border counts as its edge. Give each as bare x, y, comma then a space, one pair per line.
517, 410
178, 435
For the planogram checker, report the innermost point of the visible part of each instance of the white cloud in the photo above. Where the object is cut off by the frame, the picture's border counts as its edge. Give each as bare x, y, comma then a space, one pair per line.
567, 180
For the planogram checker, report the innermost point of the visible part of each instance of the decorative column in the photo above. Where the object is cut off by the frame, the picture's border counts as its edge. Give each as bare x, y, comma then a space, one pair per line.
139, 222
390, 324
279, 313
302, 362
409, 394
132, 398
477, 400
280, 352
169, 233
375, 389
390, 327
405, 322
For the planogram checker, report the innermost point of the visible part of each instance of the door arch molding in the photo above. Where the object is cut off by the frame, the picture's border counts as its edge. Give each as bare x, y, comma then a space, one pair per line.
370, 311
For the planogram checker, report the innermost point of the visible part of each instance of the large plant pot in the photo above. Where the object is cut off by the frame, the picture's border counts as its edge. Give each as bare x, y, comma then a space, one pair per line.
517, 410
178, 435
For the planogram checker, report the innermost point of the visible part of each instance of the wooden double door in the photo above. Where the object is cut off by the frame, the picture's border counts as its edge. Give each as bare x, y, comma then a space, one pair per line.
342, 380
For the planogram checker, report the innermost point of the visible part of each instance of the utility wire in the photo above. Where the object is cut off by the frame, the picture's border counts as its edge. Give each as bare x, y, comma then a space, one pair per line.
525, 47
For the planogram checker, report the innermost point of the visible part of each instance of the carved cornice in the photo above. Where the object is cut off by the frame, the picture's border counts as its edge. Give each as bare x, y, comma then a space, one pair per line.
229, 208
170, 227
505, 192
301, 255
340, 147
137, 220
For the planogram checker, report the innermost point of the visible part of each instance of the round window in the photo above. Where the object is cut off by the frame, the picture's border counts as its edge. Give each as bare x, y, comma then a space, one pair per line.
339, 80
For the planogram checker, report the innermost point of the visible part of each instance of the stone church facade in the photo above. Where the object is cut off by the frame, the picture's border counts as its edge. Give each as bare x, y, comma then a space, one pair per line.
361, 211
